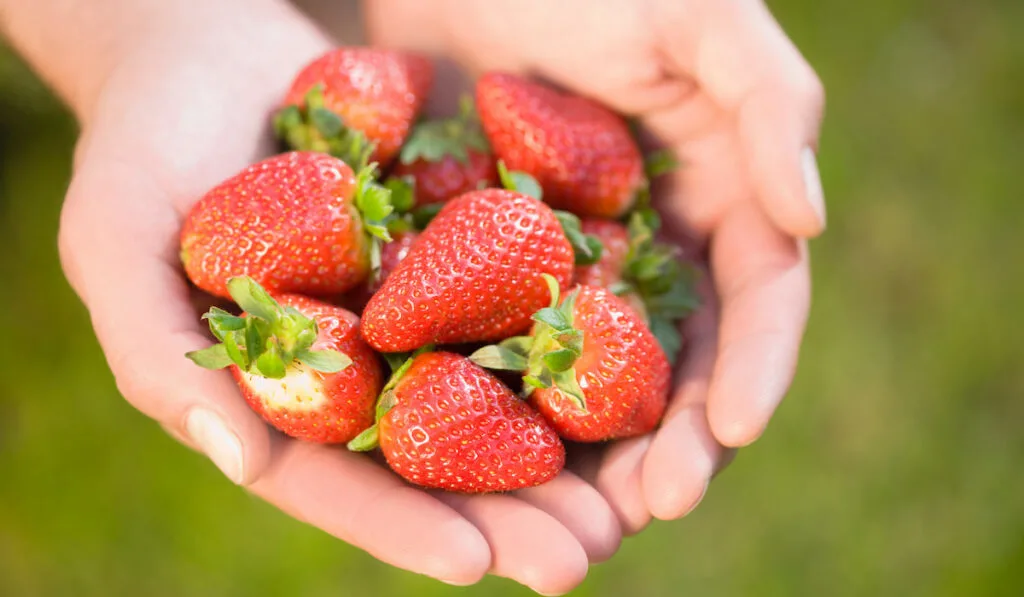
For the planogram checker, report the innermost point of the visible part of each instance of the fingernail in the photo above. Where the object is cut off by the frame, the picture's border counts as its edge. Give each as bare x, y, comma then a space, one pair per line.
699, 499
455, 583
812, 183
214, 438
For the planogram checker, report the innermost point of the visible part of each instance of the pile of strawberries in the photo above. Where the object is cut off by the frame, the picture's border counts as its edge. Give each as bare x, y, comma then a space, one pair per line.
437, 248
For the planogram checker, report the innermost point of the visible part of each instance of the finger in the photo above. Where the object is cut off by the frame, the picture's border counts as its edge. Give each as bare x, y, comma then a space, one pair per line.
362, 503
619, 481
763, 281
582, 510
528, 545
118, 243
684, 455
745, 61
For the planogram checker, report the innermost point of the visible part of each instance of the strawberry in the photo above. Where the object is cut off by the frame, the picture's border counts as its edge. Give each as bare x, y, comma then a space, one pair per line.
356, 103
649, 275
582, 154
446, 158
296, 222
445, 423
300, 363
473, 275
592, 367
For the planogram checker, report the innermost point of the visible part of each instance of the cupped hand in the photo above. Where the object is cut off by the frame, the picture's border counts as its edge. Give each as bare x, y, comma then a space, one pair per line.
720, 84
187, 108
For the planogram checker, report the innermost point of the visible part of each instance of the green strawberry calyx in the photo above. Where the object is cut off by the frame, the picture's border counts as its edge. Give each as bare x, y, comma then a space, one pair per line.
400, 363
656, 273
433, 140
314, 127
268, 340
586, 247
376, 205
657, 163
548, 356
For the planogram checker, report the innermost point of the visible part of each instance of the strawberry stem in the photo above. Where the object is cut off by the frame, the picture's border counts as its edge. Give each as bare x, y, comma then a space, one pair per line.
548, 356
314, 127
269, 340
433, 140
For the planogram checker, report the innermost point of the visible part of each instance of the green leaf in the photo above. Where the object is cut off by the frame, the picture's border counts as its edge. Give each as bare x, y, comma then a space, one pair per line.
620, 288
385, 404
326, 122
520, 345
236, 353
253, 340
424, 214
434, 139
395, 359
536, 382
253, 299
365, 441
375, 202
520, 182
566, 382
553, 288
286, 119
659, 162
560, 360
667, 334
571, 340
554, 318
212, 357
270, 363
499, 357
402, 190
587, 248
379, 231
327, 361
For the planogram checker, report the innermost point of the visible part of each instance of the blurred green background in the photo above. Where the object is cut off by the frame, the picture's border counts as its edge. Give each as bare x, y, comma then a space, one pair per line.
894, 467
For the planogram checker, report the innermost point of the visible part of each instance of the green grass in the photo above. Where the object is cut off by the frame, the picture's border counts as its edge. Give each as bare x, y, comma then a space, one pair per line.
893, 468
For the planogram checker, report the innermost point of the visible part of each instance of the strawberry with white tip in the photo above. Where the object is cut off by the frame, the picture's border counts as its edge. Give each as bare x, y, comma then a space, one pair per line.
299, 362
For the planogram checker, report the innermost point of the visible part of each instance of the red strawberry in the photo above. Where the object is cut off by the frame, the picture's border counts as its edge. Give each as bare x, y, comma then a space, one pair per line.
581, 153
446, 158
593, 369
473, 275
300, 363
354, 97
448, 424
296, 222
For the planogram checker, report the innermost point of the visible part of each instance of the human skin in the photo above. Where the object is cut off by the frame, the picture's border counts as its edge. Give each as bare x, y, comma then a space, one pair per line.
174, 97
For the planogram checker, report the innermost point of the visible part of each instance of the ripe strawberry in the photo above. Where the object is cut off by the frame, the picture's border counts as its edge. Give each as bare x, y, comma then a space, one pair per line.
649, 275
581, 153
300, 363
592, 367
445, 423
473, 274
296, 222
354, 100
446, 158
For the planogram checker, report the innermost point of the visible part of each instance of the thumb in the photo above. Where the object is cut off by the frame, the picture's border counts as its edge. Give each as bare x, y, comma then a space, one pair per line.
746, 63
118, 245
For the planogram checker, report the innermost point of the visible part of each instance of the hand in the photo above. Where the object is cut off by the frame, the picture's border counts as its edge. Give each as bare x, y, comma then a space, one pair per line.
721, 85
187, 108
